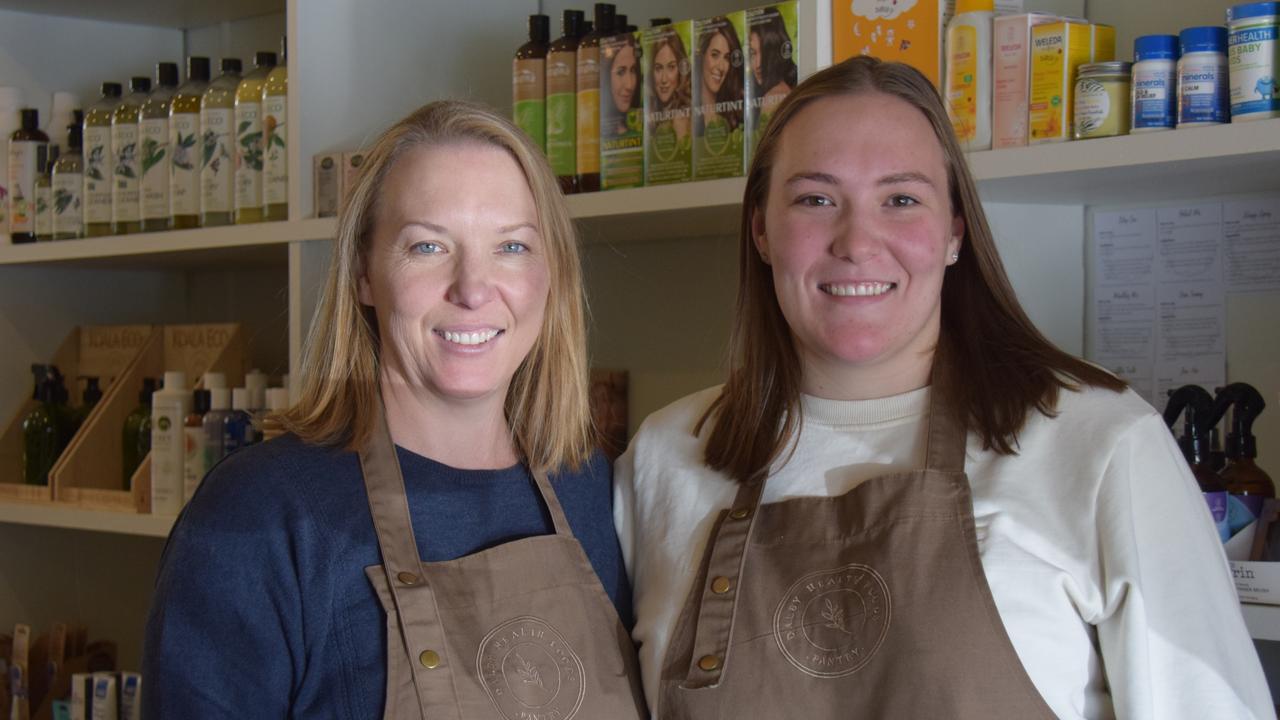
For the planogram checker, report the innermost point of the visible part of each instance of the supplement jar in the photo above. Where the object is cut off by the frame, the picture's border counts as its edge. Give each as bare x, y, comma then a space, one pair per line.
1102, 100
1253, 55
1155, 83
1202, 77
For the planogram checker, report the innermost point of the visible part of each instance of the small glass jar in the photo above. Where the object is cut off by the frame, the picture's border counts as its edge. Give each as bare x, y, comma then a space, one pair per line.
1102, 100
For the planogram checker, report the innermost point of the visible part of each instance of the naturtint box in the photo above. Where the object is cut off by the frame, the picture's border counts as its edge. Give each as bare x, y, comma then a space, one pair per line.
668, 103
621, 112
771, 61
719, 97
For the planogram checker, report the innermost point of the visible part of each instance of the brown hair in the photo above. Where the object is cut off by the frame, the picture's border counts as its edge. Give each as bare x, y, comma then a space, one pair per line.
732, 89
993, 358
546, 404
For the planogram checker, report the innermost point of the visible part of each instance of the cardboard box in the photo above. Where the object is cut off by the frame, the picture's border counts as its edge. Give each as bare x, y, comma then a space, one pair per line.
908, 31
719, 97
668, 103
327, 188
101, 351
1058, 50
621, 112
771, 61
1011, 77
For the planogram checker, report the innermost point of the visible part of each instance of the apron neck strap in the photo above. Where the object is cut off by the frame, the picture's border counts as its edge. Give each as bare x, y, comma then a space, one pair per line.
558, 519
388, 501
947, 428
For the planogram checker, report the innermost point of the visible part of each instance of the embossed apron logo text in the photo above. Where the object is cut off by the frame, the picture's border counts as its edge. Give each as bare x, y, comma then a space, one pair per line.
831, 622
530, 672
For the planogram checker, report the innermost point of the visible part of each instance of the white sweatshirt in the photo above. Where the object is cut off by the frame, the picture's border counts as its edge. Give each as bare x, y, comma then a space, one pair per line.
1098, 547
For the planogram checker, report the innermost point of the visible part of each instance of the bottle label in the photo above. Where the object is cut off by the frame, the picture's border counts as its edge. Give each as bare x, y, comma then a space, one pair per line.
44, 211
1217, 502
166, 460
962, 81
217, 162
68, 213
125, 197
528, 93
97, 174
155, 168
248, 155
562, 137
1093, 109
588, 111
22, 185
1253, 56
1202, 89
1155, 104
193, 467
275, 166
184, 170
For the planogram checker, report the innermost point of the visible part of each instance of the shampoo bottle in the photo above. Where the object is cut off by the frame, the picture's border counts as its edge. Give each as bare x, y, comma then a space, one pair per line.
277, 403
275, 137
193, 468
529, 81
1245, 481
136, 440
588, 107
219, 409
249, 146
89, 400
968, 75
98, 165
169, 408
27, 145
562, 103
237, 427
186, 147
153, 130
1194, 443
10, 121
44, 192
67, 185
126, 186
217, 146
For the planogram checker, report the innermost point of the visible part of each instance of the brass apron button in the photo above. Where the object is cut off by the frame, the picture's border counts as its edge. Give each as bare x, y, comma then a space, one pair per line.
720, 585
740, 514
429, 659
709, 663
407, 578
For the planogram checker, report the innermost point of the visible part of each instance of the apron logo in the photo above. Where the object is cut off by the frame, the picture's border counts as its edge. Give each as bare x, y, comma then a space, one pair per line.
530, 672
831, 622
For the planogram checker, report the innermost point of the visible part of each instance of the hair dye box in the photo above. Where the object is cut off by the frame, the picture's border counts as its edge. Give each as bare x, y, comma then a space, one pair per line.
1011, 77
668, 103
771, 62
621, 112
719, 96
908, 31
1058, 50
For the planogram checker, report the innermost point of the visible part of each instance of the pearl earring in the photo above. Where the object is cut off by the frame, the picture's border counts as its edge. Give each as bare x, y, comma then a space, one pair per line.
955, 256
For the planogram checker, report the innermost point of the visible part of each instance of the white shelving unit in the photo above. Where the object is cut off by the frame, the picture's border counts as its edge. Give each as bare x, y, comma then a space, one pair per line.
73, 518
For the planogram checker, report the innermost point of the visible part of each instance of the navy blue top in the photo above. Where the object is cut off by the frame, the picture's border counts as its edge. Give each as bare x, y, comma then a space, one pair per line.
262, 608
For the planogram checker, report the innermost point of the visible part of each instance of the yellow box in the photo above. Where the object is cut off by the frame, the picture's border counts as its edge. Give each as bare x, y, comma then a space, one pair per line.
884, 29
1102, 43
1057, 51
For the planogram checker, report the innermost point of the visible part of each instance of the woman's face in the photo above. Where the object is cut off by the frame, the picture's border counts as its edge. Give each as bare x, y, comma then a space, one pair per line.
456, 272
622, 78
666, 74
715, 63
754, 41
859, 229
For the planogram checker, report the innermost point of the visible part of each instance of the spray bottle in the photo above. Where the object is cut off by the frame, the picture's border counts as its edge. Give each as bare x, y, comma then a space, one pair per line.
43, 430
1245, 481
1194, 443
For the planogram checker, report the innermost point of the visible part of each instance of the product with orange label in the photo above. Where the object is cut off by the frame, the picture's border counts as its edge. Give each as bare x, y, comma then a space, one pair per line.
1011, 77
967, 86
1057, 51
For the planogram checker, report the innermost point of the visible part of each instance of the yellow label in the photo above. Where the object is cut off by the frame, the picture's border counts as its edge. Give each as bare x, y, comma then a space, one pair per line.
962, 81
588, 114
1057, 50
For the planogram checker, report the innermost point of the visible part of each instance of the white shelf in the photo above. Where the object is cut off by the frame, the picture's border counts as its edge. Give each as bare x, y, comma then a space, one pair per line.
1263, 621
59, 516
173, 14
261, 243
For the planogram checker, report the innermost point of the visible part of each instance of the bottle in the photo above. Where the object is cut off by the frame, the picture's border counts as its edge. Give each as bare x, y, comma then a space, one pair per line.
44, 192
26, 146
249, 147
170, 406
88, 400
219, 409
65, 107
1245, 481
217, 144
562, 103
136, 439
10, 121
126, 186
529, 82
1194, 443
97, 162
588, 96
193, 468
275, 136
184, 141
968, 75
277, 403
153, 129
237, 427
1202, 77
659, 21
1154, 88
67, 185
43, 436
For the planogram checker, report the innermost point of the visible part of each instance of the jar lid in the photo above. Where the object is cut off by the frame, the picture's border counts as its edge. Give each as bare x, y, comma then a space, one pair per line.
1212, 38
1155, 47
1113, 67
1253, 10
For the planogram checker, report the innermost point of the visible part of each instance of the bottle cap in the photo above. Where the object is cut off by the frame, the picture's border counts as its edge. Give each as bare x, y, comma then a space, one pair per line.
230, 65
255, 381
1253, 10
264, 59
1155, 47
30, 119
1111, 67
198, 68
539, 28
1211, 38
111, 89
45, 164
659, 21
148, 387
604, 13
212, 380
175, 380
200, 401
219, 398
571, 24
140, 84
964, 6
277, 399
619, 24
240, 399
75, 136
92, 393
166, 74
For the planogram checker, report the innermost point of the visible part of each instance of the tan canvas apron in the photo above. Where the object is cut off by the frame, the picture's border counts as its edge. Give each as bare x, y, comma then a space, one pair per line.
522, 631
869, 605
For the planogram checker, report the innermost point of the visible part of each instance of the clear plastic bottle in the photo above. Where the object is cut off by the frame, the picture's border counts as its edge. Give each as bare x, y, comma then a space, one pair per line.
219, 409
275, 163
249, 145
10, 120
170, 406
126, 185
217, 146
27, 146
44, 192
67, 185
193, 467
185, 146
153, 129
98, 165
237, 427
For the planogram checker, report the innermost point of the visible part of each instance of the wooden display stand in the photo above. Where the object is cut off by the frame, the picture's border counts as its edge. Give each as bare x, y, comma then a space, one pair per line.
89, 474
101, 351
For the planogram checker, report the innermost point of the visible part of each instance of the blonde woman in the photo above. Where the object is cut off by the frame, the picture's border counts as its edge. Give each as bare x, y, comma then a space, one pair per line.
434, 538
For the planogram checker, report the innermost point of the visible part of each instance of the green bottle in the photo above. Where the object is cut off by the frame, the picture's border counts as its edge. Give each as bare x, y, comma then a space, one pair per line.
43, 430
136, 440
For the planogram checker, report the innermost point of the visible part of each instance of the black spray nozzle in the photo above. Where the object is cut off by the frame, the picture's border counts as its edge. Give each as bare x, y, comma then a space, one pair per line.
1247, 404
148, 387
1197, 404
92, 392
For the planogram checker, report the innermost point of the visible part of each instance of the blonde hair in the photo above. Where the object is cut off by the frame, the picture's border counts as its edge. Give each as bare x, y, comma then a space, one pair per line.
547, 402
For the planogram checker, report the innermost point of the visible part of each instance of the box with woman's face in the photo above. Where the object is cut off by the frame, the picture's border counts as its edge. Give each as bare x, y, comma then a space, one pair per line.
771, 58
668, 103
719, 96
621, 112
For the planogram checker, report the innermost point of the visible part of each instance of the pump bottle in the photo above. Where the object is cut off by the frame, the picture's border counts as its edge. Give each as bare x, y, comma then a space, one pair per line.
1245, 481
1194, 443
